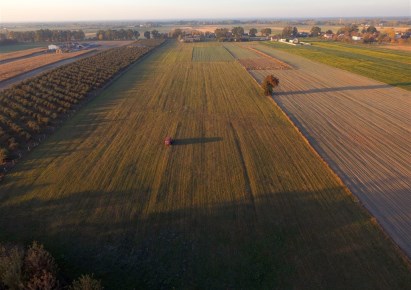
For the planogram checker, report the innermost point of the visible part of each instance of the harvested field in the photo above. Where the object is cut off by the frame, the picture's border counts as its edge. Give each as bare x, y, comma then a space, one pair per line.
405, 47
20, 47
261, 64
362, 128
253, 59
240, 52
21, 53
14, 68
240, 200
211, 53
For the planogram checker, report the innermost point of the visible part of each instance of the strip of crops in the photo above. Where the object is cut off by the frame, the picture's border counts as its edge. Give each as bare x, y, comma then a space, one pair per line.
31, 106
211, 54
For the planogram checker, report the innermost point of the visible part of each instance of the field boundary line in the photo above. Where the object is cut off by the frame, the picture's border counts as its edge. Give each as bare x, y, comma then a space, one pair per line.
286, 65
398, 249
353, 197
4, 61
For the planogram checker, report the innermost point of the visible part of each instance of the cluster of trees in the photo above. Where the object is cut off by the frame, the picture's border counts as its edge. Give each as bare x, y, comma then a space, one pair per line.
155, 34
121, 34
238, 32
44, 35
35, 268
269, 83
289, 32
29, 107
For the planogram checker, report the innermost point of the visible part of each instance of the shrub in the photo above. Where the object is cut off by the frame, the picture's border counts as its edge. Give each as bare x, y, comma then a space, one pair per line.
35, 269
40, 268
86, 282
269, 83
3, 154
11, 263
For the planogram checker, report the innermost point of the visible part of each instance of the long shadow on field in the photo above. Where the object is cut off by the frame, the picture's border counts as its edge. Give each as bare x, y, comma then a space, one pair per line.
339, 89
289, 240
190, 141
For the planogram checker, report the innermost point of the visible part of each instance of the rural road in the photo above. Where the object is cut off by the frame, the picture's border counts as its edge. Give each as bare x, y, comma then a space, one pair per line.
361, 128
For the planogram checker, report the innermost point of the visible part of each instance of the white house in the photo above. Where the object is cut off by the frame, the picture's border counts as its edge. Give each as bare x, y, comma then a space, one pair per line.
356, 38
53, 47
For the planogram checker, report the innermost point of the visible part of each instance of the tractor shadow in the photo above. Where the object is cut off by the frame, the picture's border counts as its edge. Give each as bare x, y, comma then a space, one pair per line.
190, 141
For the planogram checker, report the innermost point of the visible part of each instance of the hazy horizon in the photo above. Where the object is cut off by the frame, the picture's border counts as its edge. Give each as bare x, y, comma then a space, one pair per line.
127, 10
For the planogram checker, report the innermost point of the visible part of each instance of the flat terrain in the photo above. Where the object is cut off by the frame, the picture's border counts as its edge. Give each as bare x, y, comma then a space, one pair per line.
28, 64
21, 53
17, 67
20, 47
361, 127
385, 65
239, 201
399, 47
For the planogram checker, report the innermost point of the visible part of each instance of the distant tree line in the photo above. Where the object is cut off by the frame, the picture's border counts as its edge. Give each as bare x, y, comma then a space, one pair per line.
121, 34
43, 35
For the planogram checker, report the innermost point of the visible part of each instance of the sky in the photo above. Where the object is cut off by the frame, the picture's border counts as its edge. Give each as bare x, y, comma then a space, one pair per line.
84, 10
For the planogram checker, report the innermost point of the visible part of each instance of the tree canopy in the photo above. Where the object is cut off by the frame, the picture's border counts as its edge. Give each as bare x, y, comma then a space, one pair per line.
121, 34
237, 31
253, 31
315, 31
289, 31
221, 32
266, 31
269, 83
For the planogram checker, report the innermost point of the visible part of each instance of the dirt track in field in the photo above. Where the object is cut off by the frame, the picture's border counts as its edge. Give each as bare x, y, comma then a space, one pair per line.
12, 56
361, 127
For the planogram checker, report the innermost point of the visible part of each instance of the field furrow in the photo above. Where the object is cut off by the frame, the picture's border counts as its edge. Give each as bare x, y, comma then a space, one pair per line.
361, 127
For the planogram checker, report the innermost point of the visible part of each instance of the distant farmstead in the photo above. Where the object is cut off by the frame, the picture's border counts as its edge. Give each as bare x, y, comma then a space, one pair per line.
53, 47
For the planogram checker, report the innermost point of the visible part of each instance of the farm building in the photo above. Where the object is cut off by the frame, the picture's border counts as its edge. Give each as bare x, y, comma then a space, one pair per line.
53, 47
356, 38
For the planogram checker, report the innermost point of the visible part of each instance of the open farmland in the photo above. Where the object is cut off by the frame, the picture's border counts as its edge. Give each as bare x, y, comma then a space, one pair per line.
253, 59
14, 68
20, 47
385, 65
361, 128
240, 200
211, 53
21, 53
32, 107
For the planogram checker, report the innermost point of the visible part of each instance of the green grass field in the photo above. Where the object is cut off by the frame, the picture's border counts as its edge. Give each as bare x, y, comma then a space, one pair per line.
240, 201
20, 46
384, 65
211, 53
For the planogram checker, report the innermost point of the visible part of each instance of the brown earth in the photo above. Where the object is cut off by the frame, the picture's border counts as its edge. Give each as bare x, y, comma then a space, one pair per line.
21, 53
14, 68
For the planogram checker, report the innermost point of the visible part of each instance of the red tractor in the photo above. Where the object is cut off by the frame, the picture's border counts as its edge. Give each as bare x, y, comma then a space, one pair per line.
168, 141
